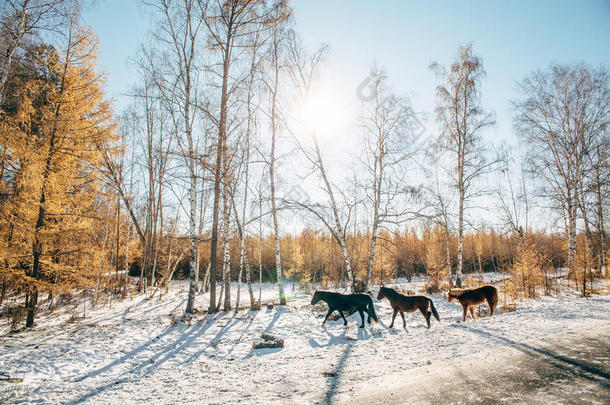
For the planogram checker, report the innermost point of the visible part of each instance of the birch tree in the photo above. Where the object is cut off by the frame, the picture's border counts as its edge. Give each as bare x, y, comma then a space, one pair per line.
303, 69
180, 31
562, 117
388, 142
512, 195
251, 126
272, 82
462, 119
230, 23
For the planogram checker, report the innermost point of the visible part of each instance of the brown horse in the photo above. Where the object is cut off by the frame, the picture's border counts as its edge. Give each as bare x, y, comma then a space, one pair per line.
403, 303
470, 298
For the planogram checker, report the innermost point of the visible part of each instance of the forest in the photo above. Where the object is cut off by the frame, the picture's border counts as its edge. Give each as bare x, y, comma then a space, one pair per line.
218, 171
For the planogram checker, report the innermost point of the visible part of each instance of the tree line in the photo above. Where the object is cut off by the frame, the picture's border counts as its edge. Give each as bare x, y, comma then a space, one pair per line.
192, 180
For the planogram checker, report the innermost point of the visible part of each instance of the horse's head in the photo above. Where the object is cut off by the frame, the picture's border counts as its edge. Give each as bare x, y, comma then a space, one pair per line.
451, 296
381, 293
316, 298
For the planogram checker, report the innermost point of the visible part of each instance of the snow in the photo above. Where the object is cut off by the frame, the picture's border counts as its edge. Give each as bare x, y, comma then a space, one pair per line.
133, 352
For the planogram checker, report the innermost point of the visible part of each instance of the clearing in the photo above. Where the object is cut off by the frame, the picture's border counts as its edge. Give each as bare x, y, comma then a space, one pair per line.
131, 352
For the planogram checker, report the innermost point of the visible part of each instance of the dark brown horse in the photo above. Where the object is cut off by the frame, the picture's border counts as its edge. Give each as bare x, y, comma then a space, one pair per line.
469, 298
408, 303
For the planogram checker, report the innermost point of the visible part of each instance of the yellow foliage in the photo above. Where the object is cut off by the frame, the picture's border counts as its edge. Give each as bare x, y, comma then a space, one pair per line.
50, 140
527, 271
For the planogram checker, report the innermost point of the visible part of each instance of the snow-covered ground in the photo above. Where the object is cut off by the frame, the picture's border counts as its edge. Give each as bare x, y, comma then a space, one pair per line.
132, 353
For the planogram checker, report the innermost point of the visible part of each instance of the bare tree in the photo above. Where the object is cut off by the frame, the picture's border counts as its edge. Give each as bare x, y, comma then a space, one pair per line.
461, 118
303, 69
563, 117
226, 236
272, 82
251, 125
388, 142
513, 195
441, 199
600, 185
230, 23
178, 39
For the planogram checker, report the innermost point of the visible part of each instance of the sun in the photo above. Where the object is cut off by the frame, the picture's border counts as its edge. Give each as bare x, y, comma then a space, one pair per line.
322, 112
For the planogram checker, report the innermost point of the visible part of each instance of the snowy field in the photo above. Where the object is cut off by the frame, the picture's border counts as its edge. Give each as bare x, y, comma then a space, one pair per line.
131, 352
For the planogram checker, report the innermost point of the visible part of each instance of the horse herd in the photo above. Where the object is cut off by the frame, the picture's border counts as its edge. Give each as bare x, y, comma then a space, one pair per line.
469, 298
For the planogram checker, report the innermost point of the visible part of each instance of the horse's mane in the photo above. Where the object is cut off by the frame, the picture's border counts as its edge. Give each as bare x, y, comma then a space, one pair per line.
389, 290
322, 293
457, 292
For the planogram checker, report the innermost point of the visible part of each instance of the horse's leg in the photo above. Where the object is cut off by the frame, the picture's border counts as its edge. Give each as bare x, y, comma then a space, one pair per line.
361, 316
426, 315
404, 323
472, 312
490, 305
343, 316
369, 315
330, 311
465, 308
393, 317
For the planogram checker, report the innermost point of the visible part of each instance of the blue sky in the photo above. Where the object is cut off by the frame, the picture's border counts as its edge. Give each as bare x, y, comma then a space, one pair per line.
403, 37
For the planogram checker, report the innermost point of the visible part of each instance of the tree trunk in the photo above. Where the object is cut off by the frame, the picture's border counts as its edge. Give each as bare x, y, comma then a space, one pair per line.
248, 275
118, 235
460, 258
571, 232
599, 205
220, 156
369, 267
191, 162
339, 233
260, 249
32, 296
226, 262
448, 252
276, 236
274, 125
99, 271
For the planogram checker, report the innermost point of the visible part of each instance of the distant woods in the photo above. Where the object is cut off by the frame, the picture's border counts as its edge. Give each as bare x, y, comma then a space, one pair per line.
208, 176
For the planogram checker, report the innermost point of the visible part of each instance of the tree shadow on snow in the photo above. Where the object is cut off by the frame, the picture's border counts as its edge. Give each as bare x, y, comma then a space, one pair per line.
278, 311
264, 351
182, 341
223, 330
334, 377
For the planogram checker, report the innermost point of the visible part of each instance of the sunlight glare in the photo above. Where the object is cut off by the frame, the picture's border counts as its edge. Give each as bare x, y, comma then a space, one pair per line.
323, 113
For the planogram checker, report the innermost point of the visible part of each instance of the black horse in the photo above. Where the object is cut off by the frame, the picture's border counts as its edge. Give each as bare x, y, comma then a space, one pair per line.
342, 302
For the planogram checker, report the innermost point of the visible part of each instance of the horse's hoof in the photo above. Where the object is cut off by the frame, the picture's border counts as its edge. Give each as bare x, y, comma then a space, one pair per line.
362, 326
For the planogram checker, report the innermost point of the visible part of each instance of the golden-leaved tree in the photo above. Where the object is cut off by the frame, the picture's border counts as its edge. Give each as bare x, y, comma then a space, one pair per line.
52, 128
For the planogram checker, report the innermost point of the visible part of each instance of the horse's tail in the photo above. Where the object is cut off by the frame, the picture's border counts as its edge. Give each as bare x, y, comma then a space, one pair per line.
434, 310
372, 310
493, 302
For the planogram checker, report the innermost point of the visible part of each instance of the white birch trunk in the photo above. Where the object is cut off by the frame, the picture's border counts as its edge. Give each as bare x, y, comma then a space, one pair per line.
226, 262
339, 233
